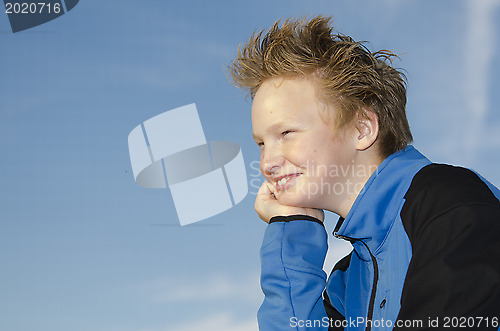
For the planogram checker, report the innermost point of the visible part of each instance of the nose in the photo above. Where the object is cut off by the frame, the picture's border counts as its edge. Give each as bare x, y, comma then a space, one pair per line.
271, 160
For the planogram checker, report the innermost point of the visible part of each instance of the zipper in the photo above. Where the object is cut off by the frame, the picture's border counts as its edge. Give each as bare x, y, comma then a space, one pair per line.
375, 278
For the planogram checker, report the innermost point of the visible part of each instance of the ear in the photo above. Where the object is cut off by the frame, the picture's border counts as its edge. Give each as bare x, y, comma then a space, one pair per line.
367, 129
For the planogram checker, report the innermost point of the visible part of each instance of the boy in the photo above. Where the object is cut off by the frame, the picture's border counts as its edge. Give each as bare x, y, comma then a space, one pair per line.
329, 118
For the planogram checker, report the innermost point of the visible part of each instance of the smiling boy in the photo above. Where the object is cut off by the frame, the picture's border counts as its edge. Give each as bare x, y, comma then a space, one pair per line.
299, 151
329, 118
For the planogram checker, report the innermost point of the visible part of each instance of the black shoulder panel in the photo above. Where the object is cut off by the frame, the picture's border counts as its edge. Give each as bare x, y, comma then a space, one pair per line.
452, 220
438, 188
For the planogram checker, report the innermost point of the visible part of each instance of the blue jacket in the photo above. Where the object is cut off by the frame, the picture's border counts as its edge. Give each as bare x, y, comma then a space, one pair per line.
426, 253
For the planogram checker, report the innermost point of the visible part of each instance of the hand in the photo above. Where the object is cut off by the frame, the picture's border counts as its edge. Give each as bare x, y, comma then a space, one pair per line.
267, 206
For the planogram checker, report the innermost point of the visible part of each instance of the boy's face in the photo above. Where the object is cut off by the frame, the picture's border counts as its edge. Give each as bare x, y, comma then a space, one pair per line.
308, 163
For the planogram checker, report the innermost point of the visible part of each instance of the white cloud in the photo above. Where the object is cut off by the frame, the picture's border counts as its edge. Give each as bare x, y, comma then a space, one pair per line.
223, 321
209, 288
480, 44
220, 322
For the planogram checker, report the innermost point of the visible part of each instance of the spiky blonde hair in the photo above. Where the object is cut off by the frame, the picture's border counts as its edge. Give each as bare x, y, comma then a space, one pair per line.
345, 72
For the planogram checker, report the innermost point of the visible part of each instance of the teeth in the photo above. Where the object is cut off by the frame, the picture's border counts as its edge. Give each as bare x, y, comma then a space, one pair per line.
283, 181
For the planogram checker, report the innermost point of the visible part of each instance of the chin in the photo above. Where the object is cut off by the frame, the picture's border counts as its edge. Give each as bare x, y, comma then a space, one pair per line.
297, 200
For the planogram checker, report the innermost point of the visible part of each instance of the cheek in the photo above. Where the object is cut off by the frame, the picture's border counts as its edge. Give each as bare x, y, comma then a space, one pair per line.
300, 156
310, 153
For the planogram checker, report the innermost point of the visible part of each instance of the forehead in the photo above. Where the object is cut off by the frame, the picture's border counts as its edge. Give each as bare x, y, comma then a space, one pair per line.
293, 96
285, 100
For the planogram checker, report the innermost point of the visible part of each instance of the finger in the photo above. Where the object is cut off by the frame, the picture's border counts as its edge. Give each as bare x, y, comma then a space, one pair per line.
272, 189
266, 191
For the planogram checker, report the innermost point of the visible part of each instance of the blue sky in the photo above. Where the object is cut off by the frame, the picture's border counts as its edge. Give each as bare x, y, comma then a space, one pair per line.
82, 247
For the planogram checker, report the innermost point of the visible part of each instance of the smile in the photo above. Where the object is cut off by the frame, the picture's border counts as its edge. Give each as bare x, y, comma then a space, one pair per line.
284, 182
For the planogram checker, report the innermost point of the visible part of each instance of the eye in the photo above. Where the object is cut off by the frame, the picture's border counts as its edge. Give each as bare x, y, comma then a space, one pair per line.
284, 133
260, 144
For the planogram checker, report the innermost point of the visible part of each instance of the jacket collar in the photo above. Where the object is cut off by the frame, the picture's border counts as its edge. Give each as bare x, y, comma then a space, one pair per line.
381, 198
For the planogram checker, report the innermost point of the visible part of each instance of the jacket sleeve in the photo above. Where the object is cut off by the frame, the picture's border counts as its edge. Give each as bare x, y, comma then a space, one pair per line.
292, 278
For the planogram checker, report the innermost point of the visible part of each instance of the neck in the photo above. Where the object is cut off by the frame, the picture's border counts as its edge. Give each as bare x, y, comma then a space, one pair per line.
364, 165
